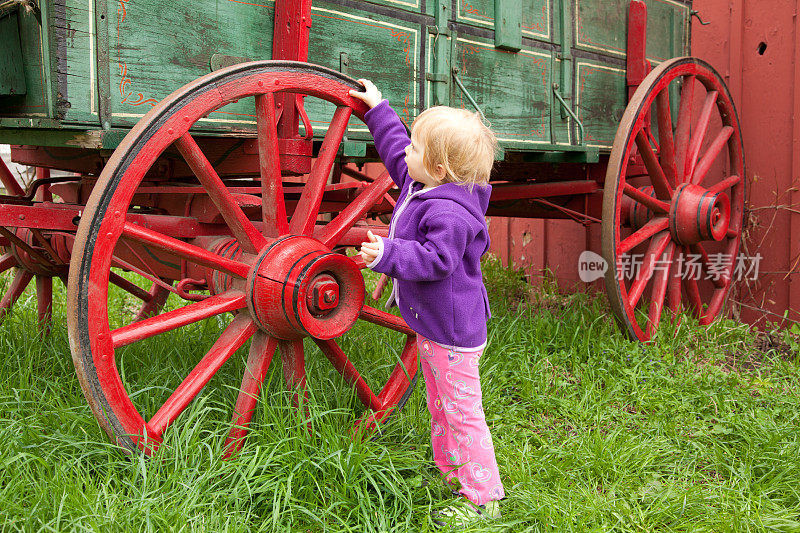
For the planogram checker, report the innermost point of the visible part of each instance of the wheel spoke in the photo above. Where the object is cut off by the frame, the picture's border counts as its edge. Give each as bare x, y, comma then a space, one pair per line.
657, 177
683, 131
157, 297
273, 206
10, 183
15, 290
711, 154
241, 227
234, 336
7, 261
398, 385
714, 305
387, 320
654, 204
129, 286
652, 227
693, 295
183, 249
262, 348
356, 211
659, 291
700, 133
674, 288
305, 214
342, 364
44, 301
293, 361
698, 249
44, 243
149, 327
654, 251
665, 140
725, 184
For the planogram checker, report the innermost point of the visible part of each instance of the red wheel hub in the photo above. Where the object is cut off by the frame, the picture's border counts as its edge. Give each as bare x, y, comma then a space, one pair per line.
635, 213
696, 214
297, 288
53, 266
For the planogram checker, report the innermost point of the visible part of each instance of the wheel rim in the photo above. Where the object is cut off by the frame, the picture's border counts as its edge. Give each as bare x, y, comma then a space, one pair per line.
319, 295
673, 203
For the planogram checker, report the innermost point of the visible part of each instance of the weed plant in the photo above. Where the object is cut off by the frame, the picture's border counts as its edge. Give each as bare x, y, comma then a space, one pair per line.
695, 432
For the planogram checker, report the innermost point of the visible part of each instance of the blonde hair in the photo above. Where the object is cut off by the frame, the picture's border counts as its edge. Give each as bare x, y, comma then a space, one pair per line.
458, 140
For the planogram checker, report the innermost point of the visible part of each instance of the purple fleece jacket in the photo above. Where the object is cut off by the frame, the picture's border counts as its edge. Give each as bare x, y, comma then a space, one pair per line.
437, 238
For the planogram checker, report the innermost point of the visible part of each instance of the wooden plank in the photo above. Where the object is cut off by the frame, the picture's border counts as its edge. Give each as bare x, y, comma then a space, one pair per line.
535, 22
34, 103
793, 278
414, 6
512, 89
76, 60
600, 100
148, 63
12, 75
508, 24
383, 49
600, 27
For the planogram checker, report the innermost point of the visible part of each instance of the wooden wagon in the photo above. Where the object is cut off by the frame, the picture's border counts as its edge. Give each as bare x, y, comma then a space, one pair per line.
212, 149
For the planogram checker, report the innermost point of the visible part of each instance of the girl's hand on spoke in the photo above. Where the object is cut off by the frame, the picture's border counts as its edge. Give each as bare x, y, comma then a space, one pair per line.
370, 250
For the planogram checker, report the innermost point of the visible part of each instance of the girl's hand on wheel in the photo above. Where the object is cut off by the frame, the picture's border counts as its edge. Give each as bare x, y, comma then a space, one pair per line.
370, 96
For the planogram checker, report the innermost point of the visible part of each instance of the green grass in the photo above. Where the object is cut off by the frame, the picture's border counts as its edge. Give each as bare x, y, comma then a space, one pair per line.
698, 432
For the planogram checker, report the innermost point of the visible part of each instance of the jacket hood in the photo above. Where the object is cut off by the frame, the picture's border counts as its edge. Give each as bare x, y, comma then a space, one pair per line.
475, 202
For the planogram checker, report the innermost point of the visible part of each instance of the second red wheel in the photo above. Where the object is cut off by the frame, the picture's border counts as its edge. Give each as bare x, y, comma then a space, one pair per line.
673, 204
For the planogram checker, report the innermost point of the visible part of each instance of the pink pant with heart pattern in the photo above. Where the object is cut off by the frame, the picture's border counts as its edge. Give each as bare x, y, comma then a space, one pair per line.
462, 444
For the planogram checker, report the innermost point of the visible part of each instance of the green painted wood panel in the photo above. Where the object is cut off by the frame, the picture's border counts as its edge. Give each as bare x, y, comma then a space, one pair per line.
78, 70
382, 49
147, 62
600, 100
601, 27
36, 102
12, 75
512, 89
535, 16
414, 6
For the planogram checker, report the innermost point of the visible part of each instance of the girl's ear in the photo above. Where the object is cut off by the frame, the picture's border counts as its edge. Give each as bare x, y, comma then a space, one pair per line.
440, 172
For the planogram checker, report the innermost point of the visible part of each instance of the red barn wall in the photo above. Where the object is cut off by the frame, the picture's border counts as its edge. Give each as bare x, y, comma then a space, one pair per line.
754, 44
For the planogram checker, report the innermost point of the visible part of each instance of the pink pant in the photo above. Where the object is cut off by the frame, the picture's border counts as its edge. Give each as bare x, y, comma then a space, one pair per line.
462, 444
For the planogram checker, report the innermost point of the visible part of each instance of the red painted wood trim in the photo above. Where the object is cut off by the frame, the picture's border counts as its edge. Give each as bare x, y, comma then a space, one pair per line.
794, 227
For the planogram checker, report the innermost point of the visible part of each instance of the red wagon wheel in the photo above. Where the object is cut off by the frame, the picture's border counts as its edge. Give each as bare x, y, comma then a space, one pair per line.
673, 205
277, 276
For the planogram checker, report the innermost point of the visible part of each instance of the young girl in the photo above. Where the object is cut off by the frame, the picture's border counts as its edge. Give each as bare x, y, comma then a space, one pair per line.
436, 238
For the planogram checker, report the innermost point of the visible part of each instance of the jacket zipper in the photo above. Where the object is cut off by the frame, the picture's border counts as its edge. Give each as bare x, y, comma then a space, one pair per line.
395, 296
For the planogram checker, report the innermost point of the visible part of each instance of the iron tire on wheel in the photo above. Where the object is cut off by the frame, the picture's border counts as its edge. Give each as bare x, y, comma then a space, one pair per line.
279, 267
686, 205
